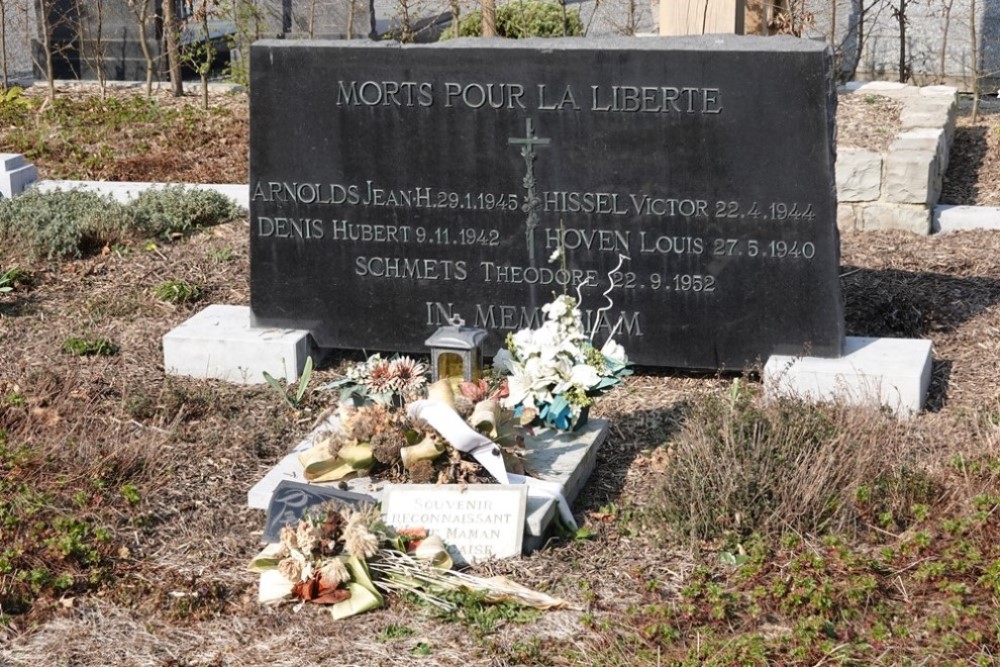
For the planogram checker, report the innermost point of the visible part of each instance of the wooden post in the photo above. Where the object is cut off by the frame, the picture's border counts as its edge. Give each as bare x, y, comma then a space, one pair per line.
701, 17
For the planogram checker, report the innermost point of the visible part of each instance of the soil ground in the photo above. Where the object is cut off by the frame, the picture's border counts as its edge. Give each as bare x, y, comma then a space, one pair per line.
163, 465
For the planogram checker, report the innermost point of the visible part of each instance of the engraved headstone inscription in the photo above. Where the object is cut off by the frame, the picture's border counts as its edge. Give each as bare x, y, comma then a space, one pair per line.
682, 189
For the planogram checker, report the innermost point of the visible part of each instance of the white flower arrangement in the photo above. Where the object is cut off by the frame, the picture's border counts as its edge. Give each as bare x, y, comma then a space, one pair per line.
554, 371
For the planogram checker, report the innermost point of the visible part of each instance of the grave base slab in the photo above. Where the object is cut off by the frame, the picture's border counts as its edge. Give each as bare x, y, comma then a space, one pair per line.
219, 343
566, 459
890, 372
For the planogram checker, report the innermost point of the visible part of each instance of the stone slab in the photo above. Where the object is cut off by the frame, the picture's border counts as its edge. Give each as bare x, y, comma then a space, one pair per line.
219, 343
949, 218
125, 191
890, 372
914, 218
566, 459
411, 183
16, 174
910, 177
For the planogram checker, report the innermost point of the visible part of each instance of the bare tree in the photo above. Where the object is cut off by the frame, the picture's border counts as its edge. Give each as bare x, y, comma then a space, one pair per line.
864, 11
201, 52
899, 12
976, 69
93, 46
171, 42
145, 13
946, 28
312, 19
3, 43
51, 19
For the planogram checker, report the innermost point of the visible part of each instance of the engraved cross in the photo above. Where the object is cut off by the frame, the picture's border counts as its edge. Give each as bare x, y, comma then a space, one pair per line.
532, 202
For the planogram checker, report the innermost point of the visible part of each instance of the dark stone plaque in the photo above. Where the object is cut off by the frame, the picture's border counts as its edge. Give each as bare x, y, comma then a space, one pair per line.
291, 499
689, 182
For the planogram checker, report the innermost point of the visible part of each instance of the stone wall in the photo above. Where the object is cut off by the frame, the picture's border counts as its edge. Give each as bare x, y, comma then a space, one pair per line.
898, 189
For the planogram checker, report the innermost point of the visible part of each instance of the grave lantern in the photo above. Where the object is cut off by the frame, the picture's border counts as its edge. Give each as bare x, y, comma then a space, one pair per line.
456, 352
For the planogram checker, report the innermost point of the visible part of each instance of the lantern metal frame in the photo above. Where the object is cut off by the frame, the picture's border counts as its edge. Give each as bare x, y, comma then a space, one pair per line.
458, 339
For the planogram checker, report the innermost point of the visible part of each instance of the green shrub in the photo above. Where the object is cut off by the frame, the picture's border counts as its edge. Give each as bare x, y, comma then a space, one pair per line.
522, 19
89, 347
176, 291
61, 223
177, 209
741, 465
69, 223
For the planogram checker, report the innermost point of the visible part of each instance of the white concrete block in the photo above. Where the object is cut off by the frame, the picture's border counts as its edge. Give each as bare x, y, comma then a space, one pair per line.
15, 174
874, 86
955, 218
907, 217
890, 372
859, 175
219, 343
910, 177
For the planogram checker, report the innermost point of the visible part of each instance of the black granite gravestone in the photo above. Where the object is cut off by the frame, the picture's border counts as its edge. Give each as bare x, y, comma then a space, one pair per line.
688, 182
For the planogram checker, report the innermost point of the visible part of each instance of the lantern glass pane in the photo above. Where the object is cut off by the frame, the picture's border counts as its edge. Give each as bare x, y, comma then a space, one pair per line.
450, 366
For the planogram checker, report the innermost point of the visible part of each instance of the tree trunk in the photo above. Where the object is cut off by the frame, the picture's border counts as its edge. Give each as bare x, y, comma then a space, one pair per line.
207, 65
3, 41
489, 9
974, 38
171, 39
50, 74
944, 40
901, 17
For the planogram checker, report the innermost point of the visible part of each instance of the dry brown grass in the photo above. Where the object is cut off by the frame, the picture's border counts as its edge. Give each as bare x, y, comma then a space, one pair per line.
179, 594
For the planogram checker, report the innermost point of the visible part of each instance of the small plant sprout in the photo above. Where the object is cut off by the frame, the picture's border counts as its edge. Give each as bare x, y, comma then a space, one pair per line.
176, 291
293, 399
89, 347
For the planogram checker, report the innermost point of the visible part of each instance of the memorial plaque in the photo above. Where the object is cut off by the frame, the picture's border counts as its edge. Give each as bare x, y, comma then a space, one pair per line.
476, 522
687, 183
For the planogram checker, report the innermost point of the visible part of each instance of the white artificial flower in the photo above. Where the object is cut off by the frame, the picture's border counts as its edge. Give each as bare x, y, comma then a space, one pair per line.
502, 361
614, 351
559, 308
584, 375
528, 385
556, 256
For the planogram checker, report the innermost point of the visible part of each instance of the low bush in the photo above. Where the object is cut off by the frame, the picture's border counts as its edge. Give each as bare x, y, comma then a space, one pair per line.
61, 223
177, 209
71, 223
523, 19
741, 466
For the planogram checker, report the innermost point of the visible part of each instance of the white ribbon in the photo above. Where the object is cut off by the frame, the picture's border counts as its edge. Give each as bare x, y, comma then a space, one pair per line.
460, 435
